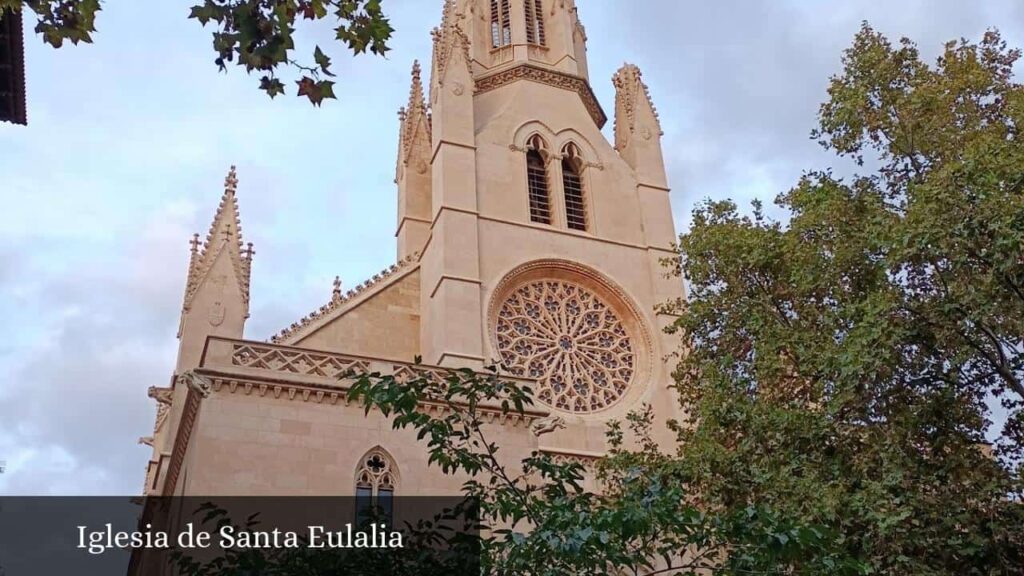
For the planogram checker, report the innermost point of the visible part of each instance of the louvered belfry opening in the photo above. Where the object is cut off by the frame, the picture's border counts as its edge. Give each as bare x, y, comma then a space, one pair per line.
575, 209
501, 25
12, 68
537, 181
534, 22
572, 186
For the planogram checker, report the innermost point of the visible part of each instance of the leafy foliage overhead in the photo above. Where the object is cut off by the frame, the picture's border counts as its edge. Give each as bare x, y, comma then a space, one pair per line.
843, 366
256, 35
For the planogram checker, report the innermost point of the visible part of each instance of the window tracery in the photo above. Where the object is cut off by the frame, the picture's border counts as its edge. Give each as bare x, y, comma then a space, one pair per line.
376, 481
569, 340
375, 472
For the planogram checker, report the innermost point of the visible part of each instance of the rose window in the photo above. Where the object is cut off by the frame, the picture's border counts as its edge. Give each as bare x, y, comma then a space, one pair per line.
569, 340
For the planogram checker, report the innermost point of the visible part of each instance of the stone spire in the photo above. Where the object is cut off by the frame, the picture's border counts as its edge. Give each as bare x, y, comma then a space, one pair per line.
412, 170
415, 122
217, 290
637, 127
451, 45
225, 234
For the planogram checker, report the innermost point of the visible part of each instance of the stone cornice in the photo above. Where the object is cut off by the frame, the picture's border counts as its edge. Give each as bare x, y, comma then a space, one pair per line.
549, 77
335, 395
297, 374
257, 368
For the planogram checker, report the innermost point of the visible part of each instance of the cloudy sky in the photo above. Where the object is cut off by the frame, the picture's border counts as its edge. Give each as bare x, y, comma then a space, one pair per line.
129, 141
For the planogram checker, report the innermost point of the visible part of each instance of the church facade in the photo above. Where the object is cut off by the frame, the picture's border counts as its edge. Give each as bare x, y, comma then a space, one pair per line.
525, 240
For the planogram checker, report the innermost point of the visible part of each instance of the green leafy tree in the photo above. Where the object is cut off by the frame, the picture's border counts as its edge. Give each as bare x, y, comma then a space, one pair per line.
256, 35
538, 519
842, 366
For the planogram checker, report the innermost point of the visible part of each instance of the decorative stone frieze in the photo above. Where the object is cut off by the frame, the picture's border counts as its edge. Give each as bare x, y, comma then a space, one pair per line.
549, 77
588, 461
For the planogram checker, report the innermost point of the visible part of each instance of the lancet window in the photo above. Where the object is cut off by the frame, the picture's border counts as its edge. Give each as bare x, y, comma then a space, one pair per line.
501, 24
572, 187
376, 481
534, 22
537, 181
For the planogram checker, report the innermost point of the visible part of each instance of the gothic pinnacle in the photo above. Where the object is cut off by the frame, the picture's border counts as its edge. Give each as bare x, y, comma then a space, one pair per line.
231, 181
336, 293
412, 116
225, 233
416, 90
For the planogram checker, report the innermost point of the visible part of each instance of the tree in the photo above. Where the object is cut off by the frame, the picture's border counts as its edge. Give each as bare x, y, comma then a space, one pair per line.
541, 522
256, 35
842, 365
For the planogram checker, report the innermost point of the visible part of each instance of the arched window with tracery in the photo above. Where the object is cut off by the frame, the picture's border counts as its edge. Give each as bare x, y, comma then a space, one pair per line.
376, 481
534, 22
572, 186
537, 181
501, 24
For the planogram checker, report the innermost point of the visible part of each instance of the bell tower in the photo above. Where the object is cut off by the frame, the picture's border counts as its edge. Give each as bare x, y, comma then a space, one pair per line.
542, 248
544, 33
526, 241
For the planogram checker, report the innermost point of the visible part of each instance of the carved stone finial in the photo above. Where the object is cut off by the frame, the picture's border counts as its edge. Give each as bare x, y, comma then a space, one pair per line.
248, 253
336, 293
547, 425
632, 98
416, 75
231, 182
194, 243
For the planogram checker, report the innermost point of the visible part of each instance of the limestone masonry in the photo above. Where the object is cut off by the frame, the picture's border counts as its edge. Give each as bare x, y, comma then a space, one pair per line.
524, 238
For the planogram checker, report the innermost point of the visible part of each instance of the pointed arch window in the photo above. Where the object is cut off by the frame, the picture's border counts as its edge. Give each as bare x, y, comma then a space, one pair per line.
537, 181
572, 186
534, 22
501, 24
376, 481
